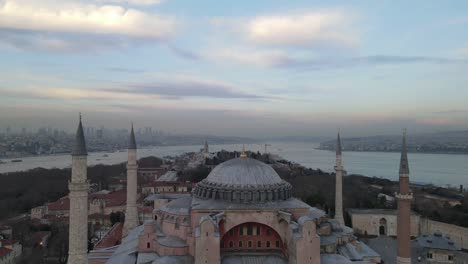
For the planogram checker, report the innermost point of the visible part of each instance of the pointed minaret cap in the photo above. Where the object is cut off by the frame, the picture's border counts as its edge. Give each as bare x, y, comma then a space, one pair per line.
338, 144
132, 141
79, 148
243, 154
404, 168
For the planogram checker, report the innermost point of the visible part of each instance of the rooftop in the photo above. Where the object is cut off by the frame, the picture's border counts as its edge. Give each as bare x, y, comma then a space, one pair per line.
244, 171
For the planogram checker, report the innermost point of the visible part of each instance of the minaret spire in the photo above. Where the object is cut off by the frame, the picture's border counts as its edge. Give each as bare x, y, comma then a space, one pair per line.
339, 182
206, 151
78, 186
404, 198
79, 147
131, 212
404, 168
243, 154
132, 141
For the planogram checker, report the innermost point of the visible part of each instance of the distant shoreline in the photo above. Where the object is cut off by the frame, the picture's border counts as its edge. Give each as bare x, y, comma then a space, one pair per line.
396, 151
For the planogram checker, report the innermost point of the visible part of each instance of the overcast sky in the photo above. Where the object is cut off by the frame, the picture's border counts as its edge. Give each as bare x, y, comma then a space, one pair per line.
248, 68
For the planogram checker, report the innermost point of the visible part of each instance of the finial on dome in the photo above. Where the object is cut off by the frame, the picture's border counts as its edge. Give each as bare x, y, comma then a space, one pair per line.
243, 155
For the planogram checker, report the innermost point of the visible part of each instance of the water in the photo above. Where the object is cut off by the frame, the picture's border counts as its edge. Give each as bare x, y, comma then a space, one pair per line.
439, 169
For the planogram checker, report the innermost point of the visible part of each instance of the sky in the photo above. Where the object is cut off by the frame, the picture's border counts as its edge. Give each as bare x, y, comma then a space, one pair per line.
237, 68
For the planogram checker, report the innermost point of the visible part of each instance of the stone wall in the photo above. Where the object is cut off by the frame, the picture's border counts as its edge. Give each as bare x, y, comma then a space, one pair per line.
370, 223
457, 234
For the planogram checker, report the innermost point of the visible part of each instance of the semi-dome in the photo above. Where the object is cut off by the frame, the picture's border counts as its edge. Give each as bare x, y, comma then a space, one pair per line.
243, 180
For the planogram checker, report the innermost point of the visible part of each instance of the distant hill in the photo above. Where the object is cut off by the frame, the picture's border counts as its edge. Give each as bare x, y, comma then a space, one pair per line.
453, 142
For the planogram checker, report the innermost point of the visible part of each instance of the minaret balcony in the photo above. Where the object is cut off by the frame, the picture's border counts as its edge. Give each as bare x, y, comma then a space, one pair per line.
401, 196
78, 186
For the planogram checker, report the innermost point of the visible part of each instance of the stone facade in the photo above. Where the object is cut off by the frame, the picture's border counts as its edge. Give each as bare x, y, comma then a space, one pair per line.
376, 222
243, 209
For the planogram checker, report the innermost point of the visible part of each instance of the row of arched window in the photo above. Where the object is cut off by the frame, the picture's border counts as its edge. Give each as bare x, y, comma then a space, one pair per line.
240, 244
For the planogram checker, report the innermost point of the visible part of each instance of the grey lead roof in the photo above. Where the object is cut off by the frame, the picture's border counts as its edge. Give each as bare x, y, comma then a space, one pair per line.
244, 171
79, 148
179, 206
132, 142
404, 168
436, 241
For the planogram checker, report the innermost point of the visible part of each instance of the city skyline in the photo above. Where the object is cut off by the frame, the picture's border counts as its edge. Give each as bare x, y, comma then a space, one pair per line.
249, 69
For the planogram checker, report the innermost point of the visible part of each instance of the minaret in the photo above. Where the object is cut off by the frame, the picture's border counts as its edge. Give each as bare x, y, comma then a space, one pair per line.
339, 183
404, 198
131, 213
206, 151
78, 186
243, 154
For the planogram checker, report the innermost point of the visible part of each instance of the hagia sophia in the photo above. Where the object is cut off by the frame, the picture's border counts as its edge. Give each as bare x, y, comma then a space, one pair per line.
243, 212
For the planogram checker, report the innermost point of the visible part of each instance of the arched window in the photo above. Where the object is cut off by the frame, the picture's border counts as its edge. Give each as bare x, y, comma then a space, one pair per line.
148, 245
259, 244
268, 244
249, 244
240, 243
258, 230
249, 229
277, 243
231, 244
155, 217
241, 230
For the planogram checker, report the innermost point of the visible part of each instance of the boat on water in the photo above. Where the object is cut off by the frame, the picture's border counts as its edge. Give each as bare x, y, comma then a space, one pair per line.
105, 155
16, 160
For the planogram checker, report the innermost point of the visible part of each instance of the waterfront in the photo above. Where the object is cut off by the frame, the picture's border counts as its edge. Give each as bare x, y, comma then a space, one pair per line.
439, 169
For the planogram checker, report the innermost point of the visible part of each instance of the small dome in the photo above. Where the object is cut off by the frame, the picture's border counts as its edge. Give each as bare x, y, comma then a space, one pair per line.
243, 180
244, 171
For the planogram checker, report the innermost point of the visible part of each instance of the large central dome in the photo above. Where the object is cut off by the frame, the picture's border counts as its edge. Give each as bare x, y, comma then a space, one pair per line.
244, 171
243, 180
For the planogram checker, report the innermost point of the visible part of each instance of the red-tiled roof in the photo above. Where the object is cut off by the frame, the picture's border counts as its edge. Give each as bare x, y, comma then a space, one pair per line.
62, 204
4, 251
8, 242
112, 238
145, 209
112, 199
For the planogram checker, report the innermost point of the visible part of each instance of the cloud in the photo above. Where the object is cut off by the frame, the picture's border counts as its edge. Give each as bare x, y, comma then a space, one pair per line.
73, 25
167, 88
451, 112
59, 43
249, 56
186, 87
125, 70
374, 60
308, 29
134, 2
183, 53
282, 59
